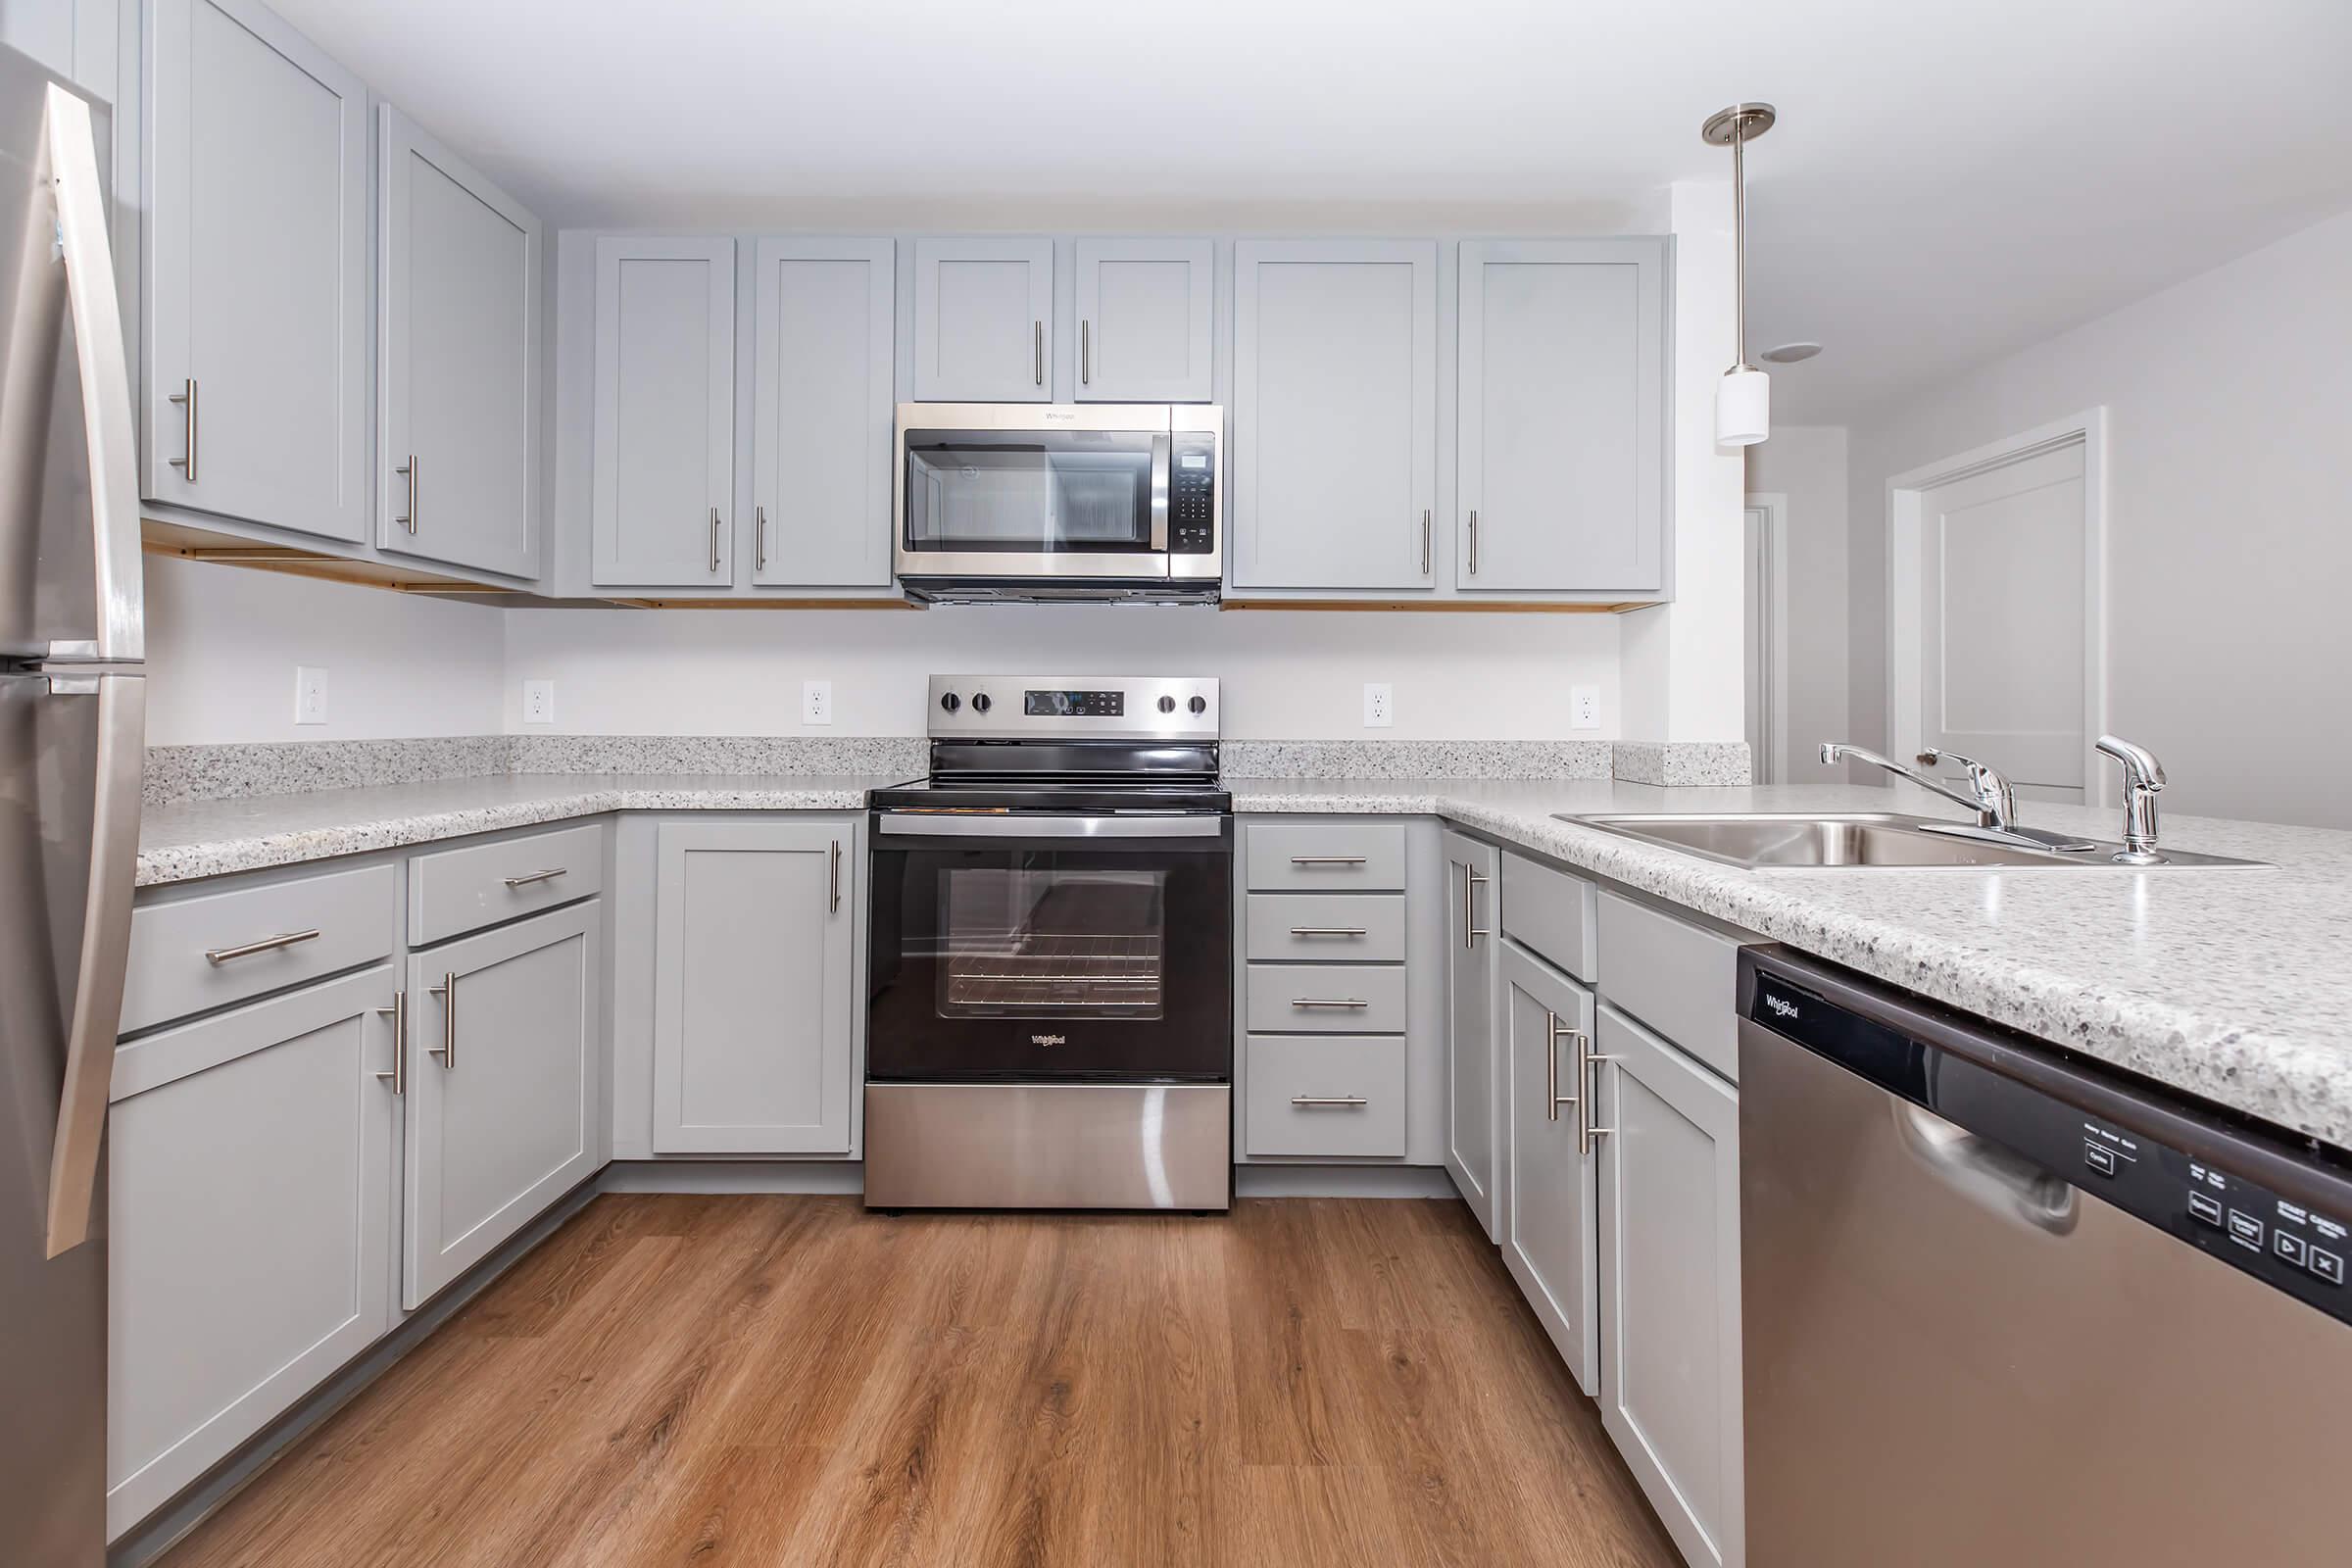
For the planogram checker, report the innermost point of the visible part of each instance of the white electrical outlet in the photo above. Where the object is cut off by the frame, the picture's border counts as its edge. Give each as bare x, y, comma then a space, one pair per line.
1583, 708
1380, 704
538, 701
310, 695
816, 701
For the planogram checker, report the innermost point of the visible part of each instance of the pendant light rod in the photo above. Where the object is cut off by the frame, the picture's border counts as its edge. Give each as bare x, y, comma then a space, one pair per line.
1734, 128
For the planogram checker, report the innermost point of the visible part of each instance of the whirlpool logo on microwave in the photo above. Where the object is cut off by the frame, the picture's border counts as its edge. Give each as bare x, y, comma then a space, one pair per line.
1048, 1040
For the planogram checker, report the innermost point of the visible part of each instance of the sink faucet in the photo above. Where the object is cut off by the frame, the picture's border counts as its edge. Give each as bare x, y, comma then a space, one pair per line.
1988, 794
2143, 778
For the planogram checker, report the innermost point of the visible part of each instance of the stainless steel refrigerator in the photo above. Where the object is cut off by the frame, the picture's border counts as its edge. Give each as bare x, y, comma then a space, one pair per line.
73, 717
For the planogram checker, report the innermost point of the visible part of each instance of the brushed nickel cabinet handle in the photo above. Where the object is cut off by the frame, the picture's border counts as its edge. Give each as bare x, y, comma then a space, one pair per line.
1327, 859
1551, 1065
1331, 1001
1471, 881
186, 396
407, 518
1038, 328
528, 878
246, 949
1473, 541
758, 538
1588, 1083
447, 1051
1086, 353
1312, 1100
713, 541
399, 1075
835, 907
1327, 930
1425, 521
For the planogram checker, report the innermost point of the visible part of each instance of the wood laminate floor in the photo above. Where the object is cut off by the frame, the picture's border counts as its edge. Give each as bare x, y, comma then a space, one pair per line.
789, 1381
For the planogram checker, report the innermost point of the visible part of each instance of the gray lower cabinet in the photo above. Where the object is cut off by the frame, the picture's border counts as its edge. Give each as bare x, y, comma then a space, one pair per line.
1143, 320
255, 272
1335, 415
250, 1204
1473, 1089
984, 320
504, 1040
458, 358
1561, 456
1670, 1353
664, 489
825, 318
1547, 1234
754, 987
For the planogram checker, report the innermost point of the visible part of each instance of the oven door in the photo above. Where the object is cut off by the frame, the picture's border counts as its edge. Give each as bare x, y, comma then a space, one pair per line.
995, 490
1051, 948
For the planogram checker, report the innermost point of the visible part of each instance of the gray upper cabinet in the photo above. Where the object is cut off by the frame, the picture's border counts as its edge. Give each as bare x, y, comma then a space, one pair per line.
665, 458
1547, 1236
1143, 320
256, 273
1561, 450
754, 987
984, 320
504, 1037
1335, 414
249, 1213
825, 318
458, 300
1474, 1085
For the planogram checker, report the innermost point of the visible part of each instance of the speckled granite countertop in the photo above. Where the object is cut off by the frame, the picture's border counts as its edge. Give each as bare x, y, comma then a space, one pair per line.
2232, 984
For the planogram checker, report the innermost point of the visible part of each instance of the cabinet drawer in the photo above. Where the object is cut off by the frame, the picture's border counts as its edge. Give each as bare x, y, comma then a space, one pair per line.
1327, 857
1326, 997
1551, 913
192, 954
1678, 978
1304, 1094
1320, 927
456, 891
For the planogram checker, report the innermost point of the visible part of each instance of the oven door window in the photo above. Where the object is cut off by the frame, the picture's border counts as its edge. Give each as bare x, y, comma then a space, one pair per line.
1026, 492
1024, 942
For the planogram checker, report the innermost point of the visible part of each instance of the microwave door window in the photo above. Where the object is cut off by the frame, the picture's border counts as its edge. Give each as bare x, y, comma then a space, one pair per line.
977, 492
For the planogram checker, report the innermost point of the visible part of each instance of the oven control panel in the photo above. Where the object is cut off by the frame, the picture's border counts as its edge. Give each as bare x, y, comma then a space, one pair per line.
1073, 707
1193, 496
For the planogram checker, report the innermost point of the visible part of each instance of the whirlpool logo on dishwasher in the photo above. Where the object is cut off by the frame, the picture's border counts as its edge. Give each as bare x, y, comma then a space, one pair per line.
1048, 1040
1781, 1006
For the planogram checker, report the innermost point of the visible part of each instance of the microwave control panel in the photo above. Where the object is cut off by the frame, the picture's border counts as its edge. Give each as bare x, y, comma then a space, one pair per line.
1193, 496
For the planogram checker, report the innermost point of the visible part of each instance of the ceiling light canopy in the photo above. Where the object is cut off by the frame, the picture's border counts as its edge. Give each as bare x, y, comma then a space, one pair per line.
1743, 397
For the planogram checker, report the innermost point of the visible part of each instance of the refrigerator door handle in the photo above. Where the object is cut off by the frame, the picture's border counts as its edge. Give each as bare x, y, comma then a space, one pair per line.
89, 1069
105, 366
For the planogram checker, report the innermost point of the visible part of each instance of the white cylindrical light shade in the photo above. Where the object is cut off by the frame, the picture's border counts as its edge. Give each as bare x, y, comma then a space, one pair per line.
1743, 408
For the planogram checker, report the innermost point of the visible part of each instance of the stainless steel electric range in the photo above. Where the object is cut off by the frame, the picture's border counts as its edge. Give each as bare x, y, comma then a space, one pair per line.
1051, 1003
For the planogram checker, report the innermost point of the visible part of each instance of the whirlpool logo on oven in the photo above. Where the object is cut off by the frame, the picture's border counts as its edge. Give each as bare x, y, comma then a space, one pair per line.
1048, 1040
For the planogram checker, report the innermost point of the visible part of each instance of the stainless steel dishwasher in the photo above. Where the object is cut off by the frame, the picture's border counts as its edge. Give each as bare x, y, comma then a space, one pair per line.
2005, 1308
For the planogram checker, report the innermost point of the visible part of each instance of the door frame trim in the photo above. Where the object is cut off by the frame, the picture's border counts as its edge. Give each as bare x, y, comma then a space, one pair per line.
1905, 513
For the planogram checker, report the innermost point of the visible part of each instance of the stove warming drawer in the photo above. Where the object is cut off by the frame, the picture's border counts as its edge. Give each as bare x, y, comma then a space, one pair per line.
1048, 1146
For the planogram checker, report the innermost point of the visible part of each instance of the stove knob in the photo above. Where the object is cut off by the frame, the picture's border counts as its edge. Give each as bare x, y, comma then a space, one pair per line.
1198, 704
951, 701
1167, 705
980, 703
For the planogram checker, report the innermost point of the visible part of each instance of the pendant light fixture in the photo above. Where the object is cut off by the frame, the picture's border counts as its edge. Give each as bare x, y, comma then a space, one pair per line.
1743, 397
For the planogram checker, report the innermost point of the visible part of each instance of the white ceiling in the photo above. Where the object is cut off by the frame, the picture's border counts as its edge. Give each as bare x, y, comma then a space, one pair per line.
1948, 181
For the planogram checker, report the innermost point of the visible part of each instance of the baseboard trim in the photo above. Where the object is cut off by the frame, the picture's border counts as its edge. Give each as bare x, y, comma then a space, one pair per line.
1342, 1181
733, 1176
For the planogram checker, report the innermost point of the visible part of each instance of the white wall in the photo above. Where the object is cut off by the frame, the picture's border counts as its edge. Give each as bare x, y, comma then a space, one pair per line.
2229, 521
223, 643
1288, 674
1807, 464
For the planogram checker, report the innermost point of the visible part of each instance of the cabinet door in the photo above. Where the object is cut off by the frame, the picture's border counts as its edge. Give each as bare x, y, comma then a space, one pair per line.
1547, 1234
503, 1040
984, 321
255, 272
665, 412
1335, 414
1560, 465
1143, 320
753, 988
249, 1213
1670, 1365
458, 303
1472, 1082
825, 317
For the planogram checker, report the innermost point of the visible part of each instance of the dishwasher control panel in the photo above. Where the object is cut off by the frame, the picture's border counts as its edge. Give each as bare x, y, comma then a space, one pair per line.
2295, 1246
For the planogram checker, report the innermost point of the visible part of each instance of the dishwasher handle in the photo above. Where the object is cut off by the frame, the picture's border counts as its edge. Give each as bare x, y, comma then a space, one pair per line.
1993, 1177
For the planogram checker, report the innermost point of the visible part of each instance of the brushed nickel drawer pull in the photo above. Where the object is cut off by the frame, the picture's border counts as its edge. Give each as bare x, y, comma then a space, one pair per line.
834, 907
713, 541
1327, 859
1086, 353
1312, 1100
1470, 931
186, 396
1332, 1002
447, 1049
1552, 1064
548, 875
1425, 519
1327, 931
245, 950
399, 1075
407, 518
1473, 541
1588, 1083
1040, 330
758, 538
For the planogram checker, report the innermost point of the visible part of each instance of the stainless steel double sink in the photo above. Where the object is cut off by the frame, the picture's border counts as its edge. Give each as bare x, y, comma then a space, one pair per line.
1777, 839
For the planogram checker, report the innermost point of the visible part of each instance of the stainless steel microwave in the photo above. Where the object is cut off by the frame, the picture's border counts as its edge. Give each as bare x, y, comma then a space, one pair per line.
1060, 501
